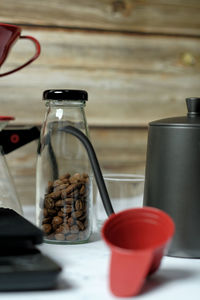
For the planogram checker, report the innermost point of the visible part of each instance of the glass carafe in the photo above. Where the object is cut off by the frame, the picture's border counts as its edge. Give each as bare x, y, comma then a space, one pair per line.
9, 197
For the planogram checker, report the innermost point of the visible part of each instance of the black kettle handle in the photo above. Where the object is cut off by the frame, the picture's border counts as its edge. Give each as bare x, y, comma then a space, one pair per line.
95, 166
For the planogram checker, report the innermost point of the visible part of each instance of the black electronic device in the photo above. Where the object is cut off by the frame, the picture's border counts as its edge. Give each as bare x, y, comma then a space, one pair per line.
22, 265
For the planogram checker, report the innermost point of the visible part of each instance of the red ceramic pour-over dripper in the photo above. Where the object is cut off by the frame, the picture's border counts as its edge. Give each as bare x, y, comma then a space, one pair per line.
137, 239
9, 34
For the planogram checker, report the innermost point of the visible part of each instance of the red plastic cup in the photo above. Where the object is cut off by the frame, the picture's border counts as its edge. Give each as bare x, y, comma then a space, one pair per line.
138, 239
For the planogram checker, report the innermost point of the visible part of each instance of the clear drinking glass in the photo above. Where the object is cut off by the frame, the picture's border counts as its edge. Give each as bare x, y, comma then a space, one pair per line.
125, 191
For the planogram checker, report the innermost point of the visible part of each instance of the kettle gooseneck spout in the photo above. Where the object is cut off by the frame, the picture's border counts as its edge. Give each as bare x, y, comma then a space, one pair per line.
95, 166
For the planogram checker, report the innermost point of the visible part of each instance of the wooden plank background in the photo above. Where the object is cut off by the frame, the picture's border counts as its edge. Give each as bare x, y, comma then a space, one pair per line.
145, 16
138, 60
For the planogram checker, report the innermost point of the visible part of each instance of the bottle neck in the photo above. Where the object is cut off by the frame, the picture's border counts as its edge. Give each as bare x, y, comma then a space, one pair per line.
67, 113
65, 103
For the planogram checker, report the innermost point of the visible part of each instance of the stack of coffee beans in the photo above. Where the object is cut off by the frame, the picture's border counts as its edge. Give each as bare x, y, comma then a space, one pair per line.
65, 208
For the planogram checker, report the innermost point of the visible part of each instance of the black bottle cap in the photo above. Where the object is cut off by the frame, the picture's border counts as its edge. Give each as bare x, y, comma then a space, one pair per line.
80, 95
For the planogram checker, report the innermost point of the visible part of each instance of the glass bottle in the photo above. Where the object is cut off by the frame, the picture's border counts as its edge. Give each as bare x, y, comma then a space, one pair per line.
63, 173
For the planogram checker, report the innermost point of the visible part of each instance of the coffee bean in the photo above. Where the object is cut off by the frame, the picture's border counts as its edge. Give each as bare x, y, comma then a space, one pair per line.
63, 228
83, 217
62, 187
77, 214
57, 182
55, 195
51, 211
60, 236
60, 203
75, 178
67, 209
59, 229
57, 220
84, 206
85, 178
74, 229
48, 203
65, 219
69, 200
71, 221
46, 228
71, 237
80, 225
61, 214
45, 212
66, 176
54, 226
86, 223
74, 194
62, 177
78, 205
82, 235
46, 220
65, 205
71, 188
82, 190
85, 175
65, 181
50, 187
50, 236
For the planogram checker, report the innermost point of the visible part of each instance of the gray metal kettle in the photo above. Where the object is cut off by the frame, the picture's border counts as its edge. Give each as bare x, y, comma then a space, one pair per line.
172, 179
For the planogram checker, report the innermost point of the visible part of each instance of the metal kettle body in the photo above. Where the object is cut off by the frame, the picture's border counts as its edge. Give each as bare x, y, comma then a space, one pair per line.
172, 179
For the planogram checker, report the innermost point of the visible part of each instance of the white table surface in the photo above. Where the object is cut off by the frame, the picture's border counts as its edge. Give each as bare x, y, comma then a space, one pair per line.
85, 274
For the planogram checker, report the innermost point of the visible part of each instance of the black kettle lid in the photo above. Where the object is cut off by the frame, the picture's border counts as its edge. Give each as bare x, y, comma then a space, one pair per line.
192, 118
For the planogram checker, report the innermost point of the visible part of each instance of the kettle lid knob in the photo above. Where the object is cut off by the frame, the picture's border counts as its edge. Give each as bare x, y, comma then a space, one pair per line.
193, 106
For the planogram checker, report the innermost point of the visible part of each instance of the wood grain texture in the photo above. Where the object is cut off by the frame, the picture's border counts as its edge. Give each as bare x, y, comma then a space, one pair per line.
138, 60
131, 79
164, 16
121, 150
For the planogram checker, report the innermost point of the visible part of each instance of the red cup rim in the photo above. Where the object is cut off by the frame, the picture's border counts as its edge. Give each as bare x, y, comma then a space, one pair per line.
159, 212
